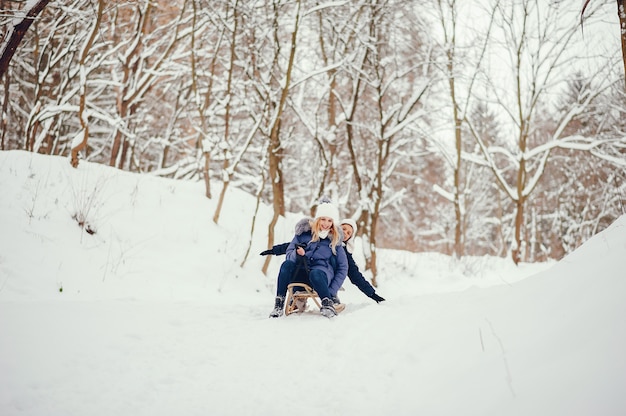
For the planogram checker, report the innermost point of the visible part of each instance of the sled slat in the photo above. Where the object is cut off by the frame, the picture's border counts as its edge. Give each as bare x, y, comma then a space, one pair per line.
302, 291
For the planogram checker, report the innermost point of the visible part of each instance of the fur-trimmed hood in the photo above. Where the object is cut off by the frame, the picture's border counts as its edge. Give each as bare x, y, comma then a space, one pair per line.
303, 225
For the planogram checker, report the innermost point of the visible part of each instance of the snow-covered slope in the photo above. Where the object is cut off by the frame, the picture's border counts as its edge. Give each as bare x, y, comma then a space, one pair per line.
153, 315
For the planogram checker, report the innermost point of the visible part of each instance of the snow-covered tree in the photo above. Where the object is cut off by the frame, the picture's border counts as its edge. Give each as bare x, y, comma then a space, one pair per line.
537, 38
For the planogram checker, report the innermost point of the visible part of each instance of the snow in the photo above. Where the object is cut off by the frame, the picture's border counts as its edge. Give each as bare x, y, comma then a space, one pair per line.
152, 314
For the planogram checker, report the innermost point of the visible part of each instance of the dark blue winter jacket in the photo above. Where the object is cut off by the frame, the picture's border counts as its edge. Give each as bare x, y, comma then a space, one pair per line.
356, 277
354, 274
319, 256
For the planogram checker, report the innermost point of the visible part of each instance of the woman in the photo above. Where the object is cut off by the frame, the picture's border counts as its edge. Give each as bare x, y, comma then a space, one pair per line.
320, 250
349, 228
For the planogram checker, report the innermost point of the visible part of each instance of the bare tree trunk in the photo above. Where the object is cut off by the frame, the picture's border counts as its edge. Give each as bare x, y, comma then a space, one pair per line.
458, 211
387, 127
123, 98
229, 84
451, 63
373, 265
130, 93
259, 195
520, 243
206, 175
275, 148
520, 200
621, 12
3, 116
207, 99
82, 114
363, 221
327, 140
518, 249
16, 34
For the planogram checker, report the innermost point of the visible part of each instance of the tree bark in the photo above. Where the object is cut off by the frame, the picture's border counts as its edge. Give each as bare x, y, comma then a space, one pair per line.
621, 13
275, 147
3, 115
16, 34
229, 85
82, 114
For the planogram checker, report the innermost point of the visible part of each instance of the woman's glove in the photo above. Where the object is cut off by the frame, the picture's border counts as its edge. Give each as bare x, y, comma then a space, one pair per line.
377, 298
267, 252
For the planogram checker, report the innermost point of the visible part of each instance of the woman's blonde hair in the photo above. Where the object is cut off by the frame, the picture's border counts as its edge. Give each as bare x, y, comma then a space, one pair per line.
334, 234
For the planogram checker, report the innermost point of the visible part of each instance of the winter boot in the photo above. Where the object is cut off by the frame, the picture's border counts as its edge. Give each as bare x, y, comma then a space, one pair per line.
279, 307
328, 309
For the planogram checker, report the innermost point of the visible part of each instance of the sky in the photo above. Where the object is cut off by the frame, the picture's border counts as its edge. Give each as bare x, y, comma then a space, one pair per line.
151, 312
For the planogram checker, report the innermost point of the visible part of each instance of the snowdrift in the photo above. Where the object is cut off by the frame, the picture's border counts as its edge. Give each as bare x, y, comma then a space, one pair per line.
146, 310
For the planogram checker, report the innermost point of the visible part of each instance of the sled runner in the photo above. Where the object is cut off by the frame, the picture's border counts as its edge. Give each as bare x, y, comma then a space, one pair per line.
297, 296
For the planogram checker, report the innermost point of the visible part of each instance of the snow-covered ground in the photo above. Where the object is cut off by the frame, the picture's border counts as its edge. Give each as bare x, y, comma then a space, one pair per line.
153, 314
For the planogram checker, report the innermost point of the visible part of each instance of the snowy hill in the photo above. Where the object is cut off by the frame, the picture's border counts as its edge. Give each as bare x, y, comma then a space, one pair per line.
150, 313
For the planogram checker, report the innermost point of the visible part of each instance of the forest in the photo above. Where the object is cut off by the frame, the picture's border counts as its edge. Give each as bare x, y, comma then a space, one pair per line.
470, 128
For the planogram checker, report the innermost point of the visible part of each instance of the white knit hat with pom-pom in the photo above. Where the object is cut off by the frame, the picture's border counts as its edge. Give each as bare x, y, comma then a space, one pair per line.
327, 209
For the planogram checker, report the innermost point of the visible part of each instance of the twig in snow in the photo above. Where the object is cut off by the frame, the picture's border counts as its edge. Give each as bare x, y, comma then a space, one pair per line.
509, 378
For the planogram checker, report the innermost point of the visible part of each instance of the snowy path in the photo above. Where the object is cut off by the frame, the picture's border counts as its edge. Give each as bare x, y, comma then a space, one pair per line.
156, 358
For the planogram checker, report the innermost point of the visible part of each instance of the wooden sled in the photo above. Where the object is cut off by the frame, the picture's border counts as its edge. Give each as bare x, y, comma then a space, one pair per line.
297, 296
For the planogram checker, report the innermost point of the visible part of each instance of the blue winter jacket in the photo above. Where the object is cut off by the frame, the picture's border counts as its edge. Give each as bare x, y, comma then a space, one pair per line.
319, 256
354, 274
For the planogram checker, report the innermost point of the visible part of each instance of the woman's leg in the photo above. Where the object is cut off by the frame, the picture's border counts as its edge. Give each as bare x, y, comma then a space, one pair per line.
319, 281
284, 277
320, 284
